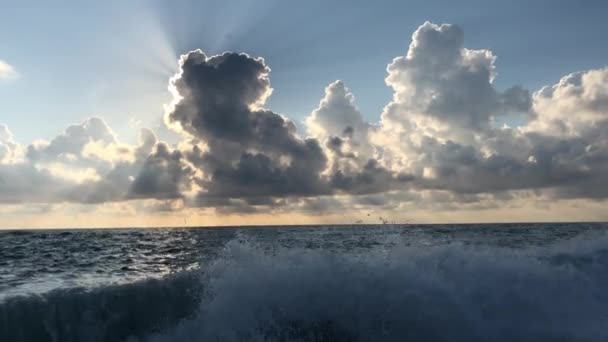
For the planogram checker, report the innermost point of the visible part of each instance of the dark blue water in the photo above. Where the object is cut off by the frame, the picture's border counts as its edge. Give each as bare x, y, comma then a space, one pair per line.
517, 282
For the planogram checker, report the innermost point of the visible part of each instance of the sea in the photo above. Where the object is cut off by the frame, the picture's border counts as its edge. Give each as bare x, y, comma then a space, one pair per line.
486, 282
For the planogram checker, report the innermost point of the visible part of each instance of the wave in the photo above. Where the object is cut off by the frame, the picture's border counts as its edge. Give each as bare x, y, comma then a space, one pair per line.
110, 313
252, 293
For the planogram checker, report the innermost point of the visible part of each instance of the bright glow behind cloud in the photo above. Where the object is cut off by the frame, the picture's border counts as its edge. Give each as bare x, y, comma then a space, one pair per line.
435, 149
7, 71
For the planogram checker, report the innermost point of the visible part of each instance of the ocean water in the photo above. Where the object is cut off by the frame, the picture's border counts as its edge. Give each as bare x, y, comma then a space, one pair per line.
509, 282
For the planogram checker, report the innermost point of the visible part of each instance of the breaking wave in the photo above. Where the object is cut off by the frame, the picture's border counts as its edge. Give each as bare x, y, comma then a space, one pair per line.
389, 293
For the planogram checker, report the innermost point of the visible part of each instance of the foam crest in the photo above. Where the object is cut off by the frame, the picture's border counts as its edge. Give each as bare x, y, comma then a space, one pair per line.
442, 293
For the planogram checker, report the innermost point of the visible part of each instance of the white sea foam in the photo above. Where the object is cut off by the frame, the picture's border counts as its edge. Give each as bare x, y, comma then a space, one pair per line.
442, 293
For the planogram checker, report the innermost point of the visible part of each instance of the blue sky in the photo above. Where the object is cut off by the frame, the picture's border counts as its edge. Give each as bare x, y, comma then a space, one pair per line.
422, 140
113, 58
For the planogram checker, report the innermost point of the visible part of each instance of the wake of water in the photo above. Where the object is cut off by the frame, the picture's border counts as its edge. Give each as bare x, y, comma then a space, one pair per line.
390, 292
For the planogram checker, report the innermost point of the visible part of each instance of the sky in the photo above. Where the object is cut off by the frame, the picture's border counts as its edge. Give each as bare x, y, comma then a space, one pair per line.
148, 113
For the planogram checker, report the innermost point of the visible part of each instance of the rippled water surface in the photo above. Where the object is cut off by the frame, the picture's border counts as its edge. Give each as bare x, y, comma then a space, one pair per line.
353, 283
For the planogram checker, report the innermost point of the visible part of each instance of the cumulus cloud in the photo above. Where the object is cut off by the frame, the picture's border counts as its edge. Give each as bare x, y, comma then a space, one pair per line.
7, 71
573, 105
164, 175
249, 156
8, 147
340, 127
337, 115
24, 183
69, 145
436, 145
88, 164
439, 125
250, 151
441, 81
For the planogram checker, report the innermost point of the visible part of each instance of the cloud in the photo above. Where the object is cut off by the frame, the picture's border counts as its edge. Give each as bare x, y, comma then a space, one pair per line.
249, 151
439, 125
7, 71
164, 175
444, 90
436, 146
373, 178
155, 171
24, 183
9, 150
337, 115
244, 151
88, 164
340, 126
576, 103
69, 145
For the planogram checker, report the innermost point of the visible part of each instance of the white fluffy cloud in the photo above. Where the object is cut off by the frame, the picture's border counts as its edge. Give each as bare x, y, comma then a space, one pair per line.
576, 103
441, 87
87, 164
440, 128
339, 125
337, 115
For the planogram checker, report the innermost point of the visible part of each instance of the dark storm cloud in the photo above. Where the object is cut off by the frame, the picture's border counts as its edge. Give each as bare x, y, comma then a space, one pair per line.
568, 167
163, 175
252, 152
577, 167
217, 95
373, 178
23, 183
258, 175
336, 144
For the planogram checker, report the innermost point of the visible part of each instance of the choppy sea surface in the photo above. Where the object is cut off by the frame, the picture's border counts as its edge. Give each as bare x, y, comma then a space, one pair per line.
500, 282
